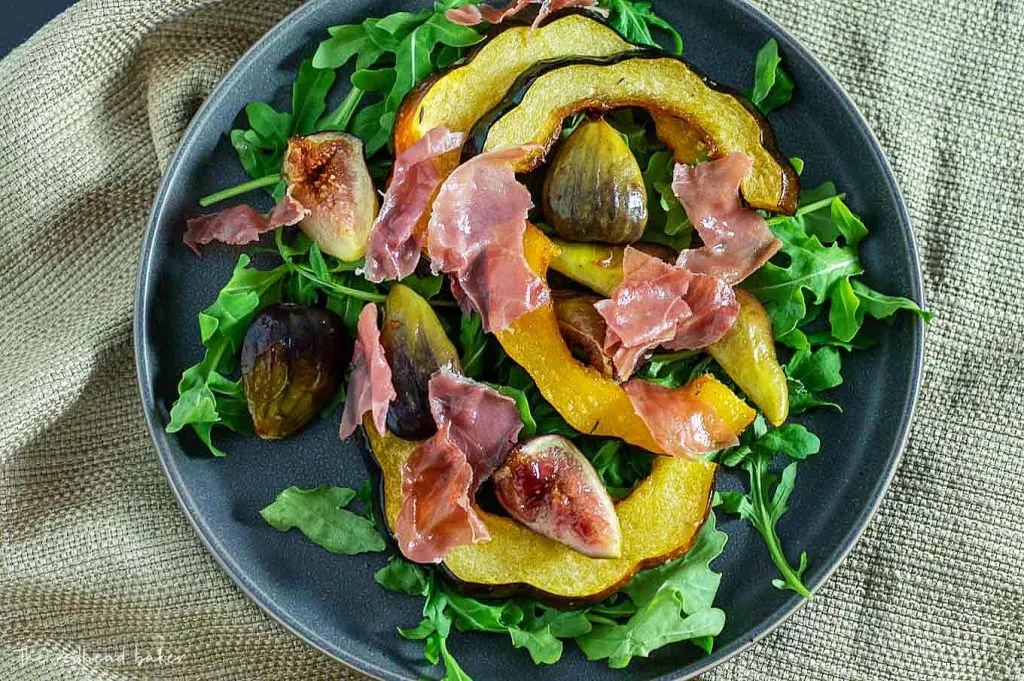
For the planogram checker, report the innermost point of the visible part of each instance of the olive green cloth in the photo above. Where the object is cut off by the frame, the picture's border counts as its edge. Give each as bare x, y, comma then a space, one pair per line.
103, 578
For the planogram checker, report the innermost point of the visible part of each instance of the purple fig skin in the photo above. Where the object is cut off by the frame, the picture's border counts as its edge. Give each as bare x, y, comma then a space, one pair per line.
547, 484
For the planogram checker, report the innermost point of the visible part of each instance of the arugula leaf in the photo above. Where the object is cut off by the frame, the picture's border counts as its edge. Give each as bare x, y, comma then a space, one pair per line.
667, 222
426, 287
633, 21
402, 576
620, 466
769, 493
529, 425
675, 604
320, 515
206, 397
772, 85
801, 399
473, 342
309, 96
345, 42
816, 369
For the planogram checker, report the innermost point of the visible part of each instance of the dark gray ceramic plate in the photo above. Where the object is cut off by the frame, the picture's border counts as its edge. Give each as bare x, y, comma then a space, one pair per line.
332, 601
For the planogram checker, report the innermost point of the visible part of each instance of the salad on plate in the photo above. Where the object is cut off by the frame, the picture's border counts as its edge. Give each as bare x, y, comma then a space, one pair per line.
556, 279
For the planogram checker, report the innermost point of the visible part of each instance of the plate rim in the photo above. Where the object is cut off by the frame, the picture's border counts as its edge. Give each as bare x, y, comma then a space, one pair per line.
309, 635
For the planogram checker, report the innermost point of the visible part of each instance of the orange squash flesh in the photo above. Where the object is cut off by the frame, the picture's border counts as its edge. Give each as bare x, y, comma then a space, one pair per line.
660, 520
460, 96
662, 85
588, 401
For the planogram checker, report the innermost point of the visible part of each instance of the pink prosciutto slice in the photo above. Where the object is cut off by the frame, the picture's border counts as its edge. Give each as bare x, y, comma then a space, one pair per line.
713, 308
662, 304
475, 235
370, 388
394, 247
483, 423
682, 424
736, 239
471, 15
437, 514
240, 225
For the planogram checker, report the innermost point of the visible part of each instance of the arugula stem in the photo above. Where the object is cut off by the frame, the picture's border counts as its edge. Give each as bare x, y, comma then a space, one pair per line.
340, 288
672, 356
231, 192
767, 530
340, 117
809, 208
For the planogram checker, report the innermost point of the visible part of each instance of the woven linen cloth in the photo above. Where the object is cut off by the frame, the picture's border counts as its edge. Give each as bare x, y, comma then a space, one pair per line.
99, 566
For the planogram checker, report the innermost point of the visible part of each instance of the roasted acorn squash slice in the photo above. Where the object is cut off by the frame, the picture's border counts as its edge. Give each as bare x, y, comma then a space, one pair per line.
660, 520
459, 97
726, 122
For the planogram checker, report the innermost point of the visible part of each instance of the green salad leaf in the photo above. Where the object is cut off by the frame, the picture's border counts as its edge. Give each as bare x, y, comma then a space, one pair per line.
671, 603
674, 603
320, 514
473, 343
820, 259
772, 85
768, 496
634, 21
207, 397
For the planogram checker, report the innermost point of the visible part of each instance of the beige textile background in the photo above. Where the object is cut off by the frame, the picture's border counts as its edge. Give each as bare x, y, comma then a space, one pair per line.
97, 560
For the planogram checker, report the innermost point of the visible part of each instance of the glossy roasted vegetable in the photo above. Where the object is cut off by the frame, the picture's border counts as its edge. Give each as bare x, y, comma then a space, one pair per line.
548, 485
459, 97
583, 328
292, 358
416, 346
686, 142
594, 190
747, 354
599, 267
588, 401
327, 174
659, 521
544, 96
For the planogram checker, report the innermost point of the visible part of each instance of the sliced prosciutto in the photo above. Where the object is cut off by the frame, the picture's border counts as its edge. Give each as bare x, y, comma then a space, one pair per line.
713, 308
394, 247
662, 304
370, 388
240, 225
483, 423
471, 15
475, 235
736, 239
437, 514
682, 424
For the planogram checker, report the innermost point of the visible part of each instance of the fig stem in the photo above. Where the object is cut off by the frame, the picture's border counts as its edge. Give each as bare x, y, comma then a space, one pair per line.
809, 208
231, 192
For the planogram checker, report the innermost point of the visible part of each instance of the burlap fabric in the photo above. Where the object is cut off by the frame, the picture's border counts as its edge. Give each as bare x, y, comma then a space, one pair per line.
103, 578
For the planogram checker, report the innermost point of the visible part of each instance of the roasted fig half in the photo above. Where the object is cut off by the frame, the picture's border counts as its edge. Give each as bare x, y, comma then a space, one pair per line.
292, 358
583, 328
659, 520
594, 190
416, 346
327, 174
548, 485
